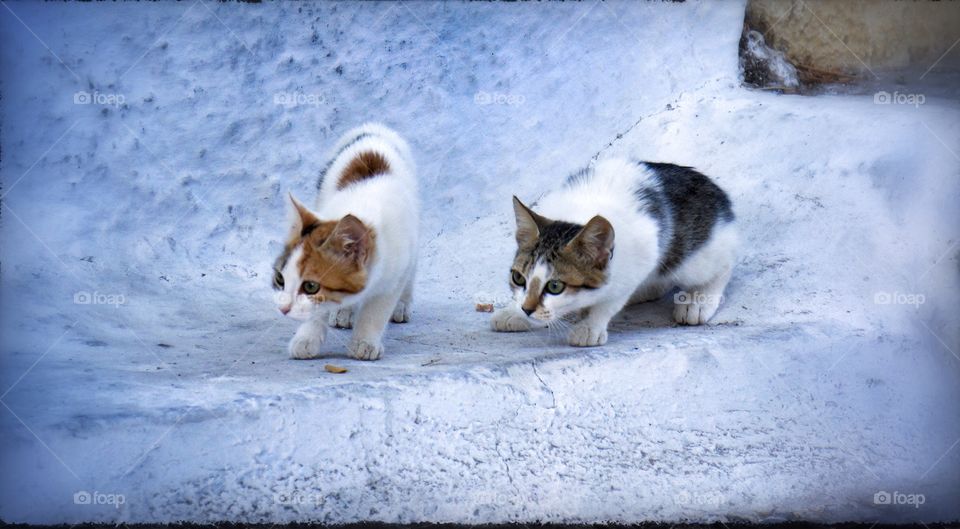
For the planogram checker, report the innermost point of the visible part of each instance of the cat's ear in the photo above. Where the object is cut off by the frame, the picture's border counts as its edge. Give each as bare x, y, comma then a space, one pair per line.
529, 223
300, 217
350, 240
594, 242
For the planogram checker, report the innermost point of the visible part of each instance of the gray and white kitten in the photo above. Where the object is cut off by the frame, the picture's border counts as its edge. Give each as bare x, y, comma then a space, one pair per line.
622, 231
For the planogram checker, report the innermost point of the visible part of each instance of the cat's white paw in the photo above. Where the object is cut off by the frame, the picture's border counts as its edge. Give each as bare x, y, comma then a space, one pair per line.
696, 309
342, 319
584, 335
509, 320
304, 346
401, 313
364, 350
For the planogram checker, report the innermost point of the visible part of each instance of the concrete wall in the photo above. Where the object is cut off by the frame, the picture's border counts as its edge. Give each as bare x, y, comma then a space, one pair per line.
854, 35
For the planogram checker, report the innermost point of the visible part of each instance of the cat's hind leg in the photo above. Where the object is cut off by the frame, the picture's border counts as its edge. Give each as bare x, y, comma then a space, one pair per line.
651, 290
704, 276
696, 305
342, 318
309, 338
401, 313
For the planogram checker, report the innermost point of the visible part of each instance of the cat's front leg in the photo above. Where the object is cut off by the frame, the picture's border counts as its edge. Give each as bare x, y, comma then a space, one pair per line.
592, 329
367, 340
510, 319
309, 338
586, 334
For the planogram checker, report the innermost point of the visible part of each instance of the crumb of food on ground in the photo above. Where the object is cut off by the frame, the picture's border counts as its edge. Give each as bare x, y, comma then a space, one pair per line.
334, 369
484, 307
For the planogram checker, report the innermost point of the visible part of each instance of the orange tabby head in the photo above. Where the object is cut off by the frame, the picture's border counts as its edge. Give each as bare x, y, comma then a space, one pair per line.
322, 261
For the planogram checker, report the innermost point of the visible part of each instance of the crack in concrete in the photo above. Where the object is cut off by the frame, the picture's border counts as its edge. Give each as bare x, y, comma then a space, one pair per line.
546, 386
671, 106
506, 463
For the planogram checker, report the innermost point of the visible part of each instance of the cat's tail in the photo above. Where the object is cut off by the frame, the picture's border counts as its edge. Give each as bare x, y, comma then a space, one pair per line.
365, 152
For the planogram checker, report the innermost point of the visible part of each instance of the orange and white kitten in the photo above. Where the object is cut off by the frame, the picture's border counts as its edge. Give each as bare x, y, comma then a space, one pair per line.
351, 260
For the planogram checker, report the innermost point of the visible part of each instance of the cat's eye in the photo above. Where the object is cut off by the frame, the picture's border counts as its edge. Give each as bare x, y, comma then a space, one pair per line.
311, 287
278, 279
555, 286
518, 279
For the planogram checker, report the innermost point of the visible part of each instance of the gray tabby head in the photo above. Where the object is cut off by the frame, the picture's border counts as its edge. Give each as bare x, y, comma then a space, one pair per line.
558, 263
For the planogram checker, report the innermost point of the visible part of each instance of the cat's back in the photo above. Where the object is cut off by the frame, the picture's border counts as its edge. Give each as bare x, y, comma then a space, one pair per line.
686, 189
606, 188
622, 186
371, 172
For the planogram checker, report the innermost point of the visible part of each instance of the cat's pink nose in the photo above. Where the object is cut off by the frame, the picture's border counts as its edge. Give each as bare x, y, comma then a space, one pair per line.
285, 309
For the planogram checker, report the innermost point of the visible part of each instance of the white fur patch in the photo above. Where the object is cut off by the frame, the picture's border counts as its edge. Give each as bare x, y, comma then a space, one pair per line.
299, 305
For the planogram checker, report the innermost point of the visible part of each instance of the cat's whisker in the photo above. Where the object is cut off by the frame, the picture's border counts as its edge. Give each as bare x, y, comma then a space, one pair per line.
557, 329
